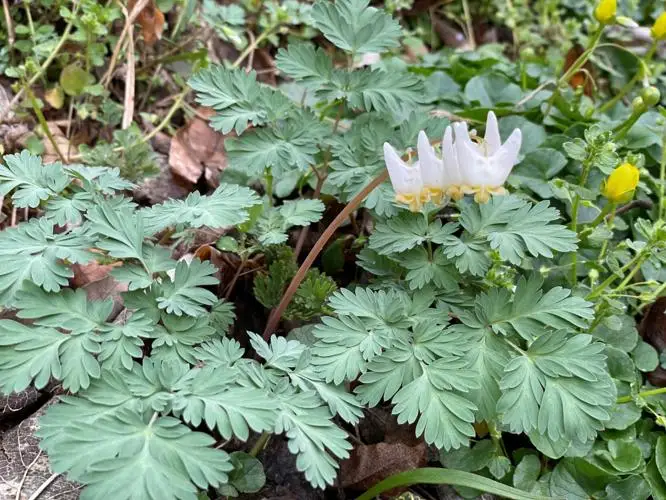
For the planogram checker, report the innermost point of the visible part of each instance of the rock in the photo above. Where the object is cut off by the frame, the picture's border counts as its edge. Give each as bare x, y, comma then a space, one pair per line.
20, 456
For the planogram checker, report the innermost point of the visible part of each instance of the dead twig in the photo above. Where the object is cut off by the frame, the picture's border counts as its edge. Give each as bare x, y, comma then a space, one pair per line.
129, 23
10, 25
130, 81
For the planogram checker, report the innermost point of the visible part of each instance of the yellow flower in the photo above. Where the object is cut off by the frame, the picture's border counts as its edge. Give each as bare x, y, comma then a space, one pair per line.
605, 11
659, 27
621, 183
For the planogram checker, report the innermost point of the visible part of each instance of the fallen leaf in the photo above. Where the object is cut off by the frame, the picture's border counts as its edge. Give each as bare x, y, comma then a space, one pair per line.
50, 155
85, 274
151, 20
198, 150
95, 279
584, 76
370, 464
55, 97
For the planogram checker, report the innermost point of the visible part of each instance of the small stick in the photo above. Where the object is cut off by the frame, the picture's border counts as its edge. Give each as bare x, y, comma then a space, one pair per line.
128, 112
10, 26
275, 316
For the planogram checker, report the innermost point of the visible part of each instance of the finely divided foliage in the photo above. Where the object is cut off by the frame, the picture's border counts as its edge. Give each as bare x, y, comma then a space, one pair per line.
455, 325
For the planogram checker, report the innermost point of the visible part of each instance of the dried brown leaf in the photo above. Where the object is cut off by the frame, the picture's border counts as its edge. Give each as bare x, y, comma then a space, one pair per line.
198, 150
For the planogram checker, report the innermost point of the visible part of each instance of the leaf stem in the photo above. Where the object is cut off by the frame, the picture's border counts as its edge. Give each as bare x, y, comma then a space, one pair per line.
43, 123
651, 392
260, 444
662, 177
582, 59
587, 164
433, 475
353, 204
638, 258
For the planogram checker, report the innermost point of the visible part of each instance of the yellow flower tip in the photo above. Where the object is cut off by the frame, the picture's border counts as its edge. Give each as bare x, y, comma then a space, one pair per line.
413, 202
659, 27
435, 195
455, 192
605, 11
482, 196
621, 183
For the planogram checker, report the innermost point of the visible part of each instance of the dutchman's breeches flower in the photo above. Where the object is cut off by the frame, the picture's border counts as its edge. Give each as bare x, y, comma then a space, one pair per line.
466, 167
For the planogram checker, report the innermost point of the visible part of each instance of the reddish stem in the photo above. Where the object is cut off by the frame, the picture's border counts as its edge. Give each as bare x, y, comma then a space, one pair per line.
353, 204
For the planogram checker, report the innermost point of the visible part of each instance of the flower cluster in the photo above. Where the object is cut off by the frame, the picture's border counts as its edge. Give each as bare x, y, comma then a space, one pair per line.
468, 165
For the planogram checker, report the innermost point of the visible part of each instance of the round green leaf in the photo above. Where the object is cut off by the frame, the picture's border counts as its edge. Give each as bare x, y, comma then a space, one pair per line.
646, 357
73, 79
248, 475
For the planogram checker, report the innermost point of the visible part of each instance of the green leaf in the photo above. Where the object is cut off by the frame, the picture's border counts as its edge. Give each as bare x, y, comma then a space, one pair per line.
31, 181
122, 342
272, 227
35, 354
156, 260
469, 459
393, 93
660, 456
120, 231
169, 461
355, 27
492, 89
248, 475
536, 169
175, 339
312, 436
237, 98
222, 316
32, 252
531, 312
69, 309
624, 456
446, 476
645, 356
533, 135
184, 293
283, 147
227, 206
406, 231
446, 417
564, 485
559, 387
73, 79
424, 269
213, 396
303, 62
527, 472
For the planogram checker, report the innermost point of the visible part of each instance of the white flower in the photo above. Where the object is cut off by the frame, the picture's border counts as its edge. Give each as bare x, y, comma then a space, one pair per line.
406, 179
485, 166
466, 167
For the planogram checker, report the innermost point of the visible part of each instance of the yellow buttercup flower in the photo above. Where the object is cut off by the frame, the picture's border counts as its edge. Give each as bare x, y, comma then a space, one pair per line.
606, 11
621, 183
659, 27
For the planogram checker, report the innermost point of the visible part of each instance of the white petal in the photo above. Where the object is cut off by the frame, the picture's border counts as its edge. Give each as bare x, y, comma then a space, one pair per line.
432, 168
492, 136
507, 155
468, 154
404, 178
450, 159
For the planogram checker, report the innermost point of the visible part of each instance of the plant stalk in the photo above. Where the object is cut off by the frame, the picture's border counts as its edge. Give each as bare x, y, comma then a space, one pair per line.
353, 204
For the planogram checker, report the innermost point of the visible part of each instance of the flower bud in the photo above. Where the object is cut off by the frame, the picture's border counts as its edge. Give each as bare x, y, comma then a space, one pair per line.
627, 22
638, 105
620, 185
659, 27
605, 11
651, 96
